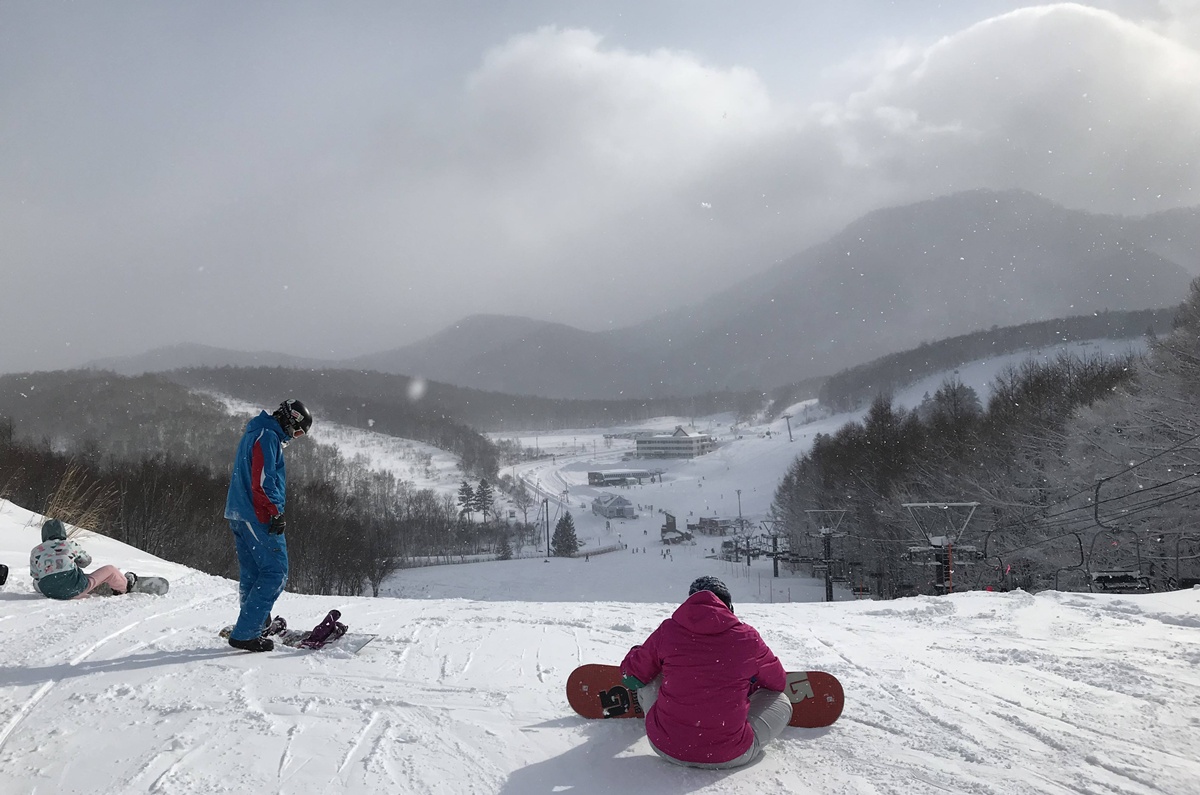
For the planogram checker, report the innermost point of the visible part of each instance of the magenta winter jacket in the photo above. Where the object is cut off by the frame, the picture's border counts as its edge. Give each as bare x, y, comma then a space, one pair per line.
710, 663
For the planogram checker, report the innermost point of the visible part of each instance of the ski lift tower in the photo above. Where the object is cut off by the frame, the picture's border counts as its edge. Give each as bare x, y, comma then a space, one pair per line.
941, 547
827, 534
771, 530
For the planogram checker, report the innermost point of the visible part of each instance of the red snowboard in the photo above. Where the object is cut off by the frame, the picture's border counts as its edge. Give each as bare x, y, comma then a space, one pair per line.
595, 691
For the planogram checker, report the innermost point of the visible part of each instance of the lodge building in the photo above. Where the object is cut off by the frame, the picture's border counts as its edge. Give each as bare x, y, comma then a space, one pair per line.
680, 444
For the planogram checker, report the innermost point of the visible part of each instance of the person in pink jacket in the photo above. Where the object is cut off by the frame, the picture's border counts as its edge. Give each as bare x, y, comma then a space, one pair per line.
709, 686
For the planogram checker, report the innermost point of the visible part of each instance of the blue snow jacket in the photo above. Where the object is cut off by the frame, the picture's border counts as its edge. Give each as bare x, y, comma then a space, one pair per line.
258, 486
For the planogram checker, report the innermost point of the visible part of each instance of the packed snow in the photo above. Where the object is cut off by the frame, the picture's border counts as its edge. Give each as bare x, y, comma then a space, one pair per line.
979, 692
463, 689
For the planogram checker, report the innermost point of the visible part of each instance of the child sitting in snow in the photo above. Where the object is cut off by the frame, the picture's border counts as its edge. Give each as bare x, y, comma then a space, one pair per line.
57, 564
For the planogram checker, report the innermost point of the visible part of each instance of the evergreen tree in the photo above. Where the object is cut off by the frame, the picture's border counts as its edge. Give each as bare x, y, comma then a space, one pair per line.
485, 498
884, 438
466, 499
504, 551
564, 543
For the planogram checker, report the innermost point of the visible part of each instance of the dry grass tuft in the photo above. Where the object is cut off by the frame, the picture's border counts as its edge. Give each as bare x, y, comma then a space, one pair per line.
84, 503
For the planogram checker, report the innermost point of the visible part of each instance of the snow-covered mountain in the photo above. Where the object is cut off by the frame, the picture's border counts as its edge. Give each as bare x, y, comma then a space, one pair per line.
891, 280
191, 355
901, 276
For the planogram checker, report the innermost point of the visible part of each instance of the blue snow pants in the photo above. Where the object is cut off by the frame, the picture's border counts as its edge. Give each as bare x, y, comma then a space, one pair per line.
263, 564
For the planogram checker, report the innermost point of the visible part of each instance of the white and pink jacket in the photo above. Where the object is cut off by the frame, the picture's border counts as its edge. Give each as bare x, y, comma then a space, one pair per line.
56, 553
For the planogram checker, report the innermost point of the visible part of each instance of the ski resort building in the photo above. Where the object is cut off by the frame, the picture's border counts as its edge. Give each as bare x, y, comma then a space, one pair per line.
712, 526
680, 444
671, 534
618, 477
612, 506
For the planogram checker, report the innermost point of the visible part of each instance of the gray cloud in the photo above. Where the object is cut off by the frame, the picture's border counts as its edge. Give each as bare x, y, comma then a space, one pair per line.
330, 186
1071, 102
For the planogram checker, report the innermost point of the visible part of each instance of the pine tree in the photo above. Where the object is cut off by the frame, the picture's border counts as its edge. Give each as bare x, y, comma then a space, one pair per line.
485, 498
564, 543
466, 499
504, 551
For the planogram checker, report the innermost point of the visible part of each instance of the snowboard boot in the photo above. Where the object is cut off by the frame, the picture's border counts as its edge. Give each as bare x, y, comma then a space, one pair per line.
274, 626
254, 644
130, 581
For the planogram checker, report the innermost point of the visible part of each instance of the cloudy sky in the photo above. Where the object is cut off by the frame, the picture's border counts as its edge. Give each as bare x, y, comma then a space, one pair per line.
335, 179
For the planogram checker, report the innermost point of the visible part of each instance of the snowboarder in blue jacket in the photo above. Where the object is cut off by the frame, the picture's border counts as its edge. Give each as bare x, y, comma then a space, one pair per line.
254, 508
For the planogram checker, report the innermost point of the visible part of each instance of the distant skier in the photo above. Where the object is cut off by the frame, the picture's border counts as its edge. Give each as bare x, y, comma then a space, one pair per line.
254, 508
692, 677
57, 567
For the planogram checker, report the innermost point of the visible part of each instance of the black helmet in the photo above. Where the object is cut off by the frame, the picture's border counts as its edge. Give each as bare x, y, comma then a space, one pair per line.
293, 417
712, 584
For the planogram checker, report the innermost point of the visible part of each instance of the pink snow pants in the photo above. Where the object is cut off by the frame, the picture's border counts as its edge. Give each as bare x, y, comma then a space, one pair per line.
106, 575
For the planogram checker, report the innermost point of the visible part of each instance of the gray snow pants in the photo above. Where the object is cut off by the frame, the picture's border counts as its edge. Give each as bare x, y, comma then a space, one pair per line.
770, 711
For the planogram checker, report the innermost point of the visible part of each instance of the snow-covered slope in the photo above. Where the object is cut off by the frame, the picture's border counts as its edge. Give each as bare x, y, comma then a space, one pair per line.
980, 374
974, 693
750, 458
462, 692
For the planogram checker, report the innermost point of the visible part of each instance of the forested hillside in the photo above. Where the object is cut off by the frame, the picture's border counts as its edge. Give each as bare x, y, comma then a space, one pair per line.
105, 415
858, 386
1084, 471
146, 461
353, 398
436, 413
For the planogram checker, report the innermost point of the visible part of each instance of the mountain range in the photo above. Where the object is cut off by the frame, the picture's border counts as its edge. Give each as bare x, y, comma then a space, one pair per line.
891, 280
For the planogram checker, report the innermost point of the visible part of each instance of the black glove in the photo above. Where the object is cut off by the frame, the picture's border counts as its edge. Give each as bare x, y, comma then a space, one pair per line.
278, 524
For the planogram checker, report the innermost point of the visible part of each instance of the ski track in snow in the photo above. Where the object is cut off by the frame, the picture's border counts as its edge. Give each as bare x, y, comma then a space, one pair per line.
29, 705
993, 694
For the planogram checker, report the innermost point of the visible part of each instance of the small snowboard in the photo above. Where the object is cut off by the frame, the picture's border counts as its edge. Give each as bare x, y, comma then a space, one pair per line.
329, 633
155, 585
595, 691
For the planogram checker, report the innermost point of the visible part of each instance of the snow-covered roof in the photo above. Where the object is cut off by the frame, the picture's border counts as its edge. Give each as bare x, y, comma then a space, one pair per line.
611, 499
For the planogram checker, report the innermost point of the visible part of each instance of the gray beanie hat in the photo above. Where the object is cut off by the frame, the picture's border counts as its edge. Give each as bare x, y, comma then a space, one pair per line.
708, 583
52, 528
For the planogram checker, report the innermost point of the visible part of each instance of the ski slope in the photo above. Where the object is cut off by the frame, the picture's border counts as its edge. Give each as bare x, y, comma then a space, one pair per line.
974, 693
462, 692
739, 476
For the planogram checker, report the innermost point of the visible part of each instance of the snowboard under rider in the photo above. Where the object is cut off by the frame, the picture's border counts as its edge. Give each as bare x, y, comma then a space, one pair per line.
710, 688
254, 508
57, 567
